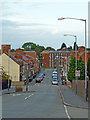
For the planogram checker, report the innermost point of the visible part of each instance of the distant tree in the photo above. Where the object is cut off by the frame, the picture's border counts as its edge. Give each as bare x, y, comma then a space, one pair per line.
29, 46
75, 46
13, 50
49, 48
88, 68
69, 48
63, 45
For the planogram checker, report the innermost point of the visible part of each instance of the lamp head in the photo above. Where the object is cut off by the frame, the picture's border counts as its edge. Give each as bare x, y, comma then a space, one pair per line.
65, 34
62, 18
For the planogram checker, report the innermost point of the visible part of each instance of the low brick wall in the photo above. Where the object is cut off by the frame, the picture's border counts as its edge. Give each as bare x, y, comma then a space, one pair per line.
89, 92
80, 87
17, 83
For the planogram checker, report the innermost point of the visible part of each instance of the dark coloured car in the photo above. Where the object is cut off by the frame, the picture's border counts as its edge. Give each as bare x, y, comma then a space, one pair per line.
34, 76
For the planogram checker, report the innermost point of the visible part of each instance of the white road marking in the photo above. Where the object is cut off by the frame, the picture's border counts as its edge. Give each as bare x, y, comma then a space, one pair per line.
28, 97
66, 112
16, 94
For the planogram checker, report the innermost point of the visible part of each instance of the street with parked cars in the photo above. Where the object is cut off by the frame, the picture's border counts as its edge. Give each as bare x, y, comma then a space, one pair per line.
43, 100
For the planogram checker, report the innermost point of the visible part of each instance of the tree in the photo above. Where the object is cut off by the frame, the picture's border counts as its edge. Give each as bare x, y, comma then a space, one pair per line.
3, 74
88, 68
81, 67
49, 48
13, 50
29, 46
71, 72
63, 45
69, 48
75, 45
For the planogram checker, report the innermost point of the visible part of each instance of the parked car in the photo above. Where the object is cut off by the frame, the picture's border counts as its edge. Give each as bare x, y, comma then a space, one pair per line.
55, 77
54, 81
55, 69
42, 74
34, 76
39, 79
30, 79
54, 73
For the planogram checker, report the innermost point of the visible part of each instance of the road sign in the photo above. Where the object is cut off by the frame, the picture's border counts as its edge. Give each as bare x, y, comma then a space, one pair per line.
77, 73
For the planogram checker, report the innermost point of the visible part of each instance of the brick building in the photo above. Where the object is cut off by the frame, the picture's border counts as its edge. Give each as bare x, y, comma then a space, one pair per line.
54, 58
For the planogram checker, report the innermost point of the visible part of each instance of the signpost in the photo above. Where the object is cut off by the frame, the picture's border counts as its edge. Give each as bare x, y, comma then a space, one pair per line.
77, 73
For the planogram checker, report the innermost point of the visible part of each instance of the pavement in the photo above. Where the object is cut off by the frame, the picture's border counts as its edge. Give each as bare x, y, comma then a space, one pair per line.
71, 97
6, 91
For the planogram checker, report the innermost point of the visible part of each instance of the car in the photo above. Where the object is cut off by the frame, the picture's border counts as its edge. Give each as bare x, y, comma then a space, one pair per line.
54, 74
55, 69
55, 77
39, 79
54, 81
34, 76
42, 74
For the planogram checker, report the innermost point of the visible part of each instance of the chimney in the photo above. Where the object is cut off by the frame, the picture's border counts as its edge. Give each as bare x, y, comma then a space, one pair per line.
5, 48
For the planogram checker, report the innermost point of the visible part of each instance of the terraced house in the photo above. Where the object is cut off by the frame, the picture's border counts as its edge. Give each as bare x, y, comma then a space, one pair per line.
20, 63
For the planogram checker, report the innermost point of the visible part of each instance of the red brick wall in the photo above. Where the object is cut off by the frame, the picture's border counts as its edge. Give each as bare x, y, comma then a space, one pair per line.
81, 87
45, 60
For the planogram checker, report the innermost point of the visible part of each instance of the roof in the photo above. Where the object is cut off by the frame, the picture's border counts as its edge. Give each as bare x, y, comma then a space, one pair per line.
59, 51
46, 51
29, 51
13, 58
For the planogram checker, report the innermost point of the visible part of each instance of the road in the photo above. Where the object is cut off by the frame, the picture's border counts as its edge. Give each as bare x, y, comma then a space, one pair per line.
43, 101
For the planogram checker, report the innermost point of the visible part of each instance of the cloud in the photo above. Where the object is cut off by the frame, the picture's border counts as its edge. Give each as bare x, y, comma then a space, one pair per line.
44, 0
8, 23
18, 25
55, 31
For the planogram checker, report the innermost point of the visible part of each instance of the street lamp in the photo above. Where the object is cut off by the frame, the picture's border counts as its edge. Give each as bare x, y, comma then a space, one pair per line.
8, 67
76, 53
84, 20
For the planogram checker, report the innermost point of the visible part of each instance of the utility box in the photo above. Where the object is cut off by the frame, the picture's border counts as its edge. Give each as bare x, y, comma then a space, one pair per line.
18, 89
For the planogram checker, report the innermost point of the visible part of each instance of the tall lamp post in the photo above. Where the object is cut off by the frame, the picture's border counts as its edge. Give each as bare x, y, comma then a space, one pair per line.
84, 20
76, 55
8, 67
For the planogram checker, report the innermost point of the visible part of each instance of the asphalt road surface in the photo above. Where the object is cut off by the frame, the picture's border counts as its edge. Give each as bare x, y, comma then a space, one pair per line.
43, 101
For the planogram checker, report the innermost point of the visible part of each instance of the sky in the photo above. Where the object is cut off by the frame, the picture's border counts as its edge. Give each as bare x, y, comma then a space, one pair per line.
37, 21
